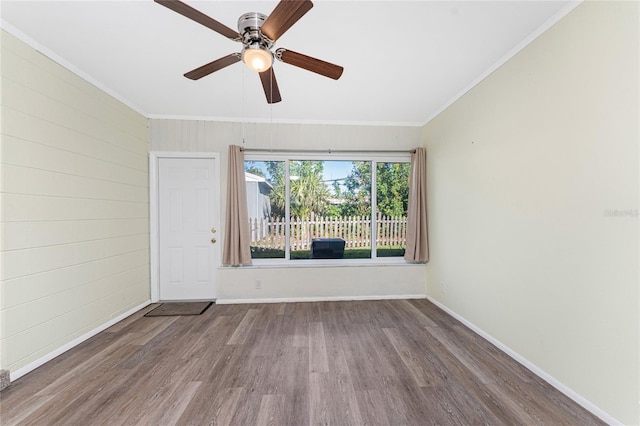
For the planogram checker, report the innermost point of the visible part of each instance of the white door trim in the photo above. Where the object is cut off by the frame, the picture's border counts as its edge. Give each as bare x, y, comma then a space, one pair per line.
154, 230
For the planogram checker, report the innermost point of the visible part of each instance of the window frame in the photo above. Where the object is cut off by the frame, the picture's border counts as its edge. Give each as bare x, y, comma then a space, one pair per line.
374, 158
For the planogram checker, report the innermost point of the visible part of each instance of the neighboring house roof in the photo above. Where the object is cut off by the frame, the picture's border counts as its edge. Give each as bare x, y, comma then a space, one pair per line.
265, 187
250, 177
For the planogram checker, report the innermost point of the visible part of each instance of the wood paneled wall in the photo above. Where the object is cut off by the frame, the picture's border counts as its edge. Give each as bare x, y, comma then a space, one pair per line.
74, 206
292, 283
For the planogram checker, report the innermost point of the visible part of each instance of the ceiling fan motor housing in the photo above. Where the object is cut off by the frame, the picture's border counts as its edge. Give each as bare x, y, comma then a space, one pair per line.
249, 28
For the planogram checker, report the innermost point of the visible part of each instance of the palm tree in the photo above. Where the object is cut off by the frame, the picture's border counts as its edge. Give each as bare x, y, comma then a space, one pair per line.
308, 193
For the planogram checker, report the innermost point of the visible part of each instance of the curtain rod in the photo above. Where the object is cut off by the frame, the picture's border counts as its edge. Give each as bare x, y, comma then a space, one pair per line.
327, 151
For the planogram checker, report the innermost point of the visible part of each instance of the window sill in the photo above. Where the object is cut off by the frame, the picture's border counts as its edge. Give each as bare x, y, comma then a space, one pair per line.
320, 263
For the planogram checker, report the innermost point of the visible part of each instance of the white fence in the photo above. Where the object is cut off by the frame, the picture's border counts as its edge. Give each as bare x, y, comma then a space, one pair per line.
270, 233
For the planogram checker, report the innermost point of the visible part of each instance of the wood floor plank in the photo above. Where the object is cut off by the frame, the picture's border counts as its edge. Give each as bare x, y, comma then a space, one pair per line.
404, 401
372, 407
128, 321
334, 399
288, 375
271, 411
212, 404
450, 343
249, 409
213, 337
148, 385
413, 312
318, 362
173, 404
16, 414
87, 358
457, 403
412, 361
240, 335
96, 364
492, 355
441, 409
393, 362
368, 362
227, 404
84, 386
273, 327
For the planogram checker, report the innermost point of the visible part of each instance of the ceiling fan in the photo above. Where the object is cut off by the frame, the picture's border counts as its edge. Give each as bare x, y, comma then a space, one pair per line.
258, 33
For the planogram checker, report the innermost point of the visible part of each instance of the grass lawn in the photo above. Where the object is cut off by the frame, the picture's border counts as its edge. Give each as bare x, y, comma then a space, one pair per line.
349, 253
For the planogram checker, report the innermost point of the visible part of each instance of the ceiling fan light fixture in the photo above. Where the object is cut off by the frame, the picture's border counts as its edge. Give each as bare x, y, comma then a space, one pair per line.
257, 57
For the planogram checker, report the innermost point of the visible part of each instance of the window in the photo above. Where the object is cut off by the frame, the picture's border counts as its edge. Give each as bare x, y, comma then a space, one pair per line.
303, 208
392, 202
266, 207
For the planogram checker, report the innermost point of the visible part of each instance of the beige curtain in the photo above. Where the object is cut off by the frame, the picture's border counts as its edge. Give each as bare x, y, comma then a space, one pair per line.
237, 250
417, 244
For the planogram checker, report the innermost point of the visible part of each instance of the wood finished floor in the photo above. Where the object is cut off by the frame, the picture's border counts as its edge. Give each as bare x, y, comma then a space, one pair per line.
393, 362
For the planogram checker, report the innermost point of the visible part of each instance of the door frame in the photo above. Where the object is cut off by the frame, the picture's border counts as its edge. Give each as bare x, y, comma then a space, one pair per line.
154, 210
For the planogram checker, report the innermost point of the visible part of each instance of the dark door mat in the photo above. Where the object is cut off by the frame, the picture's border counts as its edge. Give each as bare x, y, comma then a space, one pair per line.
179, 309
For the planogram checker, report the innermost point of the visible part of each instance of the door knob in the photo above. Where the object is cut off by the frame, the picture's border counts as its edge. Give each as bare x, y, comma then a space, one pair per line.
213, 230
213, 240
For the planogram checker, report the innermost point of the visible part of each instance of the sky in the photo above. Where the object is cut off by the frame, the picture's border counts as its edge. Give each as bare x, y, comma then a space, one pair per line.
331, 170
336, 169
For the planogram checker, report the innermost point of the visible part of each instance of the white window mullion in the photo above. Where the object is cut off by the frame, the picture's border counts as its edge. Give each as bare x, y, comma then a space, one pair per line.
374, 203
287, 211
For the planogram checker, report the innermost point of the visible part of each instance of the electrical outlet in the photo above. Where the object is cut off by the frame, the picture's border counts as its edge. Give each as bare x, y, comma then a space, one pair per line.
443, 287
258, 284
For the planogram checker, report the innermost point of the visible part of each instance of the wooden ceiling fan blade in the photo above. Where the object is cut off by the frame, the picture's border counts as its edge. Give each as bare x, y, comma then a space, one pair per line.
285, 14
214, 66
195, 15
318, 66
270, 86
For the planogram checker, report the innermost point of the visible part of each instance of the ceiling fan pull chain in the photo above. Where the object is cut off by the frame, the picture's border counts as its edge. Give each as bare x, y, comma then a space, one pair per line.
242, 106
271, 115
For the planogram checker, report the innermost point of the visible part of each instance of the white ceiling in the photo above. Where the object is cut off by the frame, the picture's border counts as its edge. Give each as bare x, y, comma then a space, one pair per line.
404, 60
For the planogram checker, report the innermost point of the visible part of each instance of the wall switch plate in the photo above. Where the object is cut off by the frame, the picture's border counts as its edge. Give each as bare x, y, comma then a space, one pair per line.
258, 284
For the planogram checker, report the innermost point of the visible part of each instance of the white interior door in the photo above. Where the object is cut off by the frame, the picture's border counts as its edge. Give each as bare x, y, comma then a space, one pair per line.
188, 252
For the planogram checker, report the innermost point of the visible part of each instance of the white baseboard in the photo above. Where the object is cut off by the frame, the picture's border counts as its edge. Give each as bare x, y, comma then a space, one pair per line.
14, 375
318, 299
588, 405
